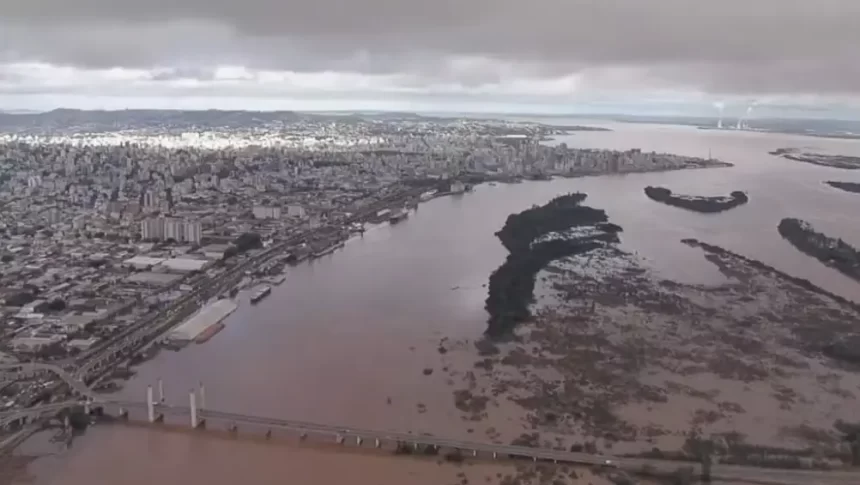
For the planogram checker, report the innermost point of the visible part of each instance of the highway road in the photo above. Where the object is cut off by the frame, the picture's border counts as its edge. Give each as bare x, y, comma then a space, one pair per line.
36, 412
77, 385
12, 441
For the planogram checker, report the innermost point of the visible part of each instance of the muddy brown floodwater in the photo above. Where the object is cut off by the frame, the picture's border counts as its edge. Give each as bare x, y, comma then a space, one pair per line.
348, 339
181, 457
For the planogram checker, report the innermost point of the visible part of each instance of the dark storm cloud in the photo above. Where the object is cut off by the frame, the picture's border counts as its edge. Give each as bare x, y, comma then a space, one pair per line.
755, 46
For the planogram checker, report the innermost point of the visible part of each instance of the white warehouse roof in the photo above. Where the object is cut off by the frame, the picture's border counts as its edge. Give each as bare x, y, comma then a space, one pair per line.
142, 261
183, 265
208, 316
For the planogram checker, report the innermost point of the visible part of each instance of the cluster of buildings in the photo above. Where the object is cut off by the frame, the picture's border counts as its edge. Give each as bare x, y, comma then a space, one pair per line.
97, 228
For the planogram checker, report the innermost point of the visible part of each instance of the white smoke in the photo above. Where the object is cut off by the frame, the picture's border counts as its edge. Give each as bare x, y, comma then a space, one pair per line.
720, 106
742, 120
750, 109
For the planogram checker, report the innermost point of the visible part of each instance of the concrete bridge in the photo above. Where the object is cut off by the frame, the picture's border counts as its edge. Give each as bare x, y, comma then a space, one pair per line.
198, 416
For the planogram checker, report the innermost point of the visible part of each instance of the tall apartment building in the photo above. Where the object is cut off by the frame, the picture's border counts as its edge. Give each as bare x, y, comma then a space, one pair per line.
164, 228
193, 232
174, 229
151, 201
294, 210
152, 228
266, 212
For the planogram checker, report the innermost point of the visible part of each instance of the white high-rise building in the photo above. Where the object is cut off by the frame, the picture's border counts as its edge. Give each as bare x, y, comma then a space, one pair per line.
164, 228
266, 212
193, 232
296, 211
152, 228
150, 201
174, 229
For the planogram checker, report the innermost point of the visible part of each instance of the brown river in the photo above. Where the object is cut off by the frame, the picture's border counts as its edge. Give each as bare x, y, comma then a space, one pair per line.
346, 338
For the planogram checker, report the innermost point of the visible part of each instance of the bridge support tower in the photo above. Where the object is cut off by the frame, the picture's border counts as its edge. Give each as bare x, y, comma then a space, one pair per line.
151, 415
192, 397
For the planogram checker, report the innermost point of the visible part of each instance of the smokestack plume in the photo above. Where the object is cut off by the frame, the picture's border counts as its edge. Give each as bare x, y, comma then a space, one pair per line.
720, 107
742, 120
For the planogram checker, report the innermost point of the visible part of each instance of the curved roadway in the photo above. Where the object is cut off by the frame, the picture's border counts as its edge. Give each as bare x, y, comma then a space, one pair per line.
77, 385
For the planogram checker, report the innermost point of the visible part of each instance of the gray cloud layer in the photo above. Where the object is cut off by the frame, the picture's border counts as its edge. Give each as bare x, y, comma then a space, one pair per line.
727, 46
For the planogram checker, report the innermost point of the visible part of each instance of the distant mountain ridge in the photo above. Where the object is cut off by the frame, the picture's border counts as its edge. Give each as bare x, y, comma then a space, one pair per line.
63, 119
19, 111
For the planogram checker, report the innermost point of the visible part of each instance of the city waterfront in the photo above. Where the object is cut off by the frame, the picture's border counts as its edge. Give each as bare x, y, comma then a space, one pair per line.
347, 338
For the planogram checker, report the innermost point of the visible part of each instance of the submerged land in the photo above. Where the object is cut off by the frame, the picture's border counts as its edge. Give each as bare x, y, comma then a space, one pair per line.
833, 252
853, 187
834, 161
697, 203
524, 235
617, 359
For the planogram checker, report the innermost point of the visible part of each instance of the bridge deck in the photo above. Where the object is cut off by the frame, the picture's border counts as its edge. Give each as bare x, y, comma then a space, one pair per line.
366, 434
719, 472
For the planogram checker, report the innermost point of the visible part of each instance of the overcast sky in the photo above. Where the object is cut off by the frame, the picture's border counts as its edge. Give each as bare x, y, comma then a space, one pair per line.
546, 55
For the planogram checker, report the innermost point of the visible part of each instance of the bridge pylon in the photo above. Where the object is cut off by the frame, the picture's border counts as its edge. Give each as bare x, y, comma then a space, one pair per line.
150, 405
192, 398
151, 415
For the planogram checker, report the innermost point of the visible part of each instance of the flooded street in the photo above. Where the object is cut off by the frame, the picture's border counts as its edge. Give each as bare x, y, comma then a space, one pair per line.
347, 339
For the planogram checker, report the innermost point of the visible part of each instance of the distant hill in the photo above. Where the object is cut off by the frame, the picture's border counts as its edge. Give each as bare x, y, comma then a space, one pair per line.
19, 111
73, 120
63, 119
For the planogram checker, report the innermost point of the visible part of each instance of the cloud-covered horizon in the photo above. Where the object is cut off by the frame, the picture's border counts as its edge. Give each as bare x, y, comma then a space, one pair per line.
544, 51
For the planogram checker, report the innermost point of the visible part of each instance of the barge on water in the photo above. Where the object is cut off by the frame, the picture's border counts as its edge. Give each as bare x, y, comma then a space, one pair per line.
260, 292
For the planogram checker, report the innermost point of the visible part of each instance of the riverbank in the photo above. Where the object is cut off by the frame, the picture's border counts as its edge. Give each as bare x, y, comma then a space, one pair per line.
834, 161
707, 205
